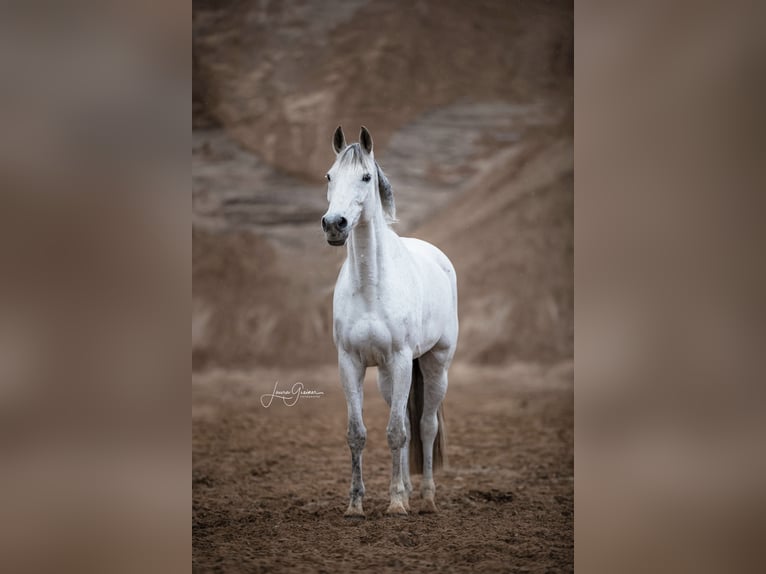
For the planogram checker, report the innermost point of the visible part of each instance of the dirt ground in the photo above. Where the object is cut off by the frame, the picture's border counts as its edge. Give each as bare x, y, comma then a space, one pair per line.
270, 485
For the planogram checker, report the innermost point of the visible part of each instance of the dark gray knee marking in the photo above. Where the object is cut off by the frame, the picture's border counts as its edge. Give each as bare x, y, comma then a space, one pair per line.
356, 436
396, 434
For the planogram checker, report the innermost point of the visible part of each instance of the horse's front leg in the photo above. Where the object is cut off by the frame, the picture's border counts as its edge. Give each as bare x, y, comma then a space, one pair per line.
398, 370
385, 384
352, 378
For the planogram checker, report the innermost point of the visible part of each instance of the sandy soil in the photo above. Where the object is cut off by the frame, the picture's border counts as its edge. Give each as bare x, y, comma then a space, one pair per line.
270, 484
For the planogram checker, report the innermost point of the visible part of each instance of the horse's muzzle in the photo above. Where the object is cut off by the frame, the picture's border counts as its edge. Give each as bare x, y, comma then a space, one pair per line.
336, 229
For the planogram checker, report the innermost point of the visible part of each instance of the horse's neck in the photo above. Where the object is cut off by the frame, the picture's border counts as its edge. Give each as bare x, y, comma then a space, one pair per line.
369, 253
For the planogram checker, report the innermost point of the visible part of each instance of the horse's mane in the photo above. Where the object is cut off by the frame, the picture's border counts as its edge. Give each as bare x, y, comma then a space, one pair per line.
354, 156
386, 195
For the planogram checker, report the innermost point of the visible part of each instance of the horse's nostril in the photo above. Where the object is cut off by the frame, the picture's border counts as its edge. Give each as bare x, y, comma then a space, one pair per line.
324, 224
342, 223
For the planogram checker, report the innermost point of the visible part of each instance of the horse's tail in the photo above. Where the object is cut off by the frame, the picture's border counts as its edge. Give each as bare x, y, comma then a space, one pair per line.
415, 413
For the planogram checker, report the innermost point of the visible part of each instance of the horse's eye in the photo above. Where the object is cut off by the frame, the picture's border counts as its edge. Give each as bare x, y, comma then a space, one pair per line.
327, 176
366, 177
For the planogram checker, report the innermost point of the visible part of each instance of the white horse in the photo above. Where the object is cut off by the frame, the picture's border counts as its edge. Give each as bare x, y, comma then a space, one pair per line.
395, 307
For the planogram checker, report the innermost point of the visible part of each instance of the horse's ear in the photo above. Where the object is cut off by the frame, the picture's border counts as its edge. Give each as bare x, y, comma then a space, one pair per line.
366, 140
338, 140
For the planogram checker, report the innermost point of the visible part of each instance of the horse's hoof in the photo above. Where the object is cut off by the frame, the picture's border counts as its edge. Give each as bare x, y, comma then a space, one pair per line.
429, 506
354, 511
406, 505
396, 509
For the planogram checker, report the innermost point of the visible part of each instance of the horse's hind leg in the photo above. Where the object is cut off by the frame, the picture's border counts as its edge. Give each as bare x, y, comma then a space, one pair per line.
352, 378
434, 366
406, 466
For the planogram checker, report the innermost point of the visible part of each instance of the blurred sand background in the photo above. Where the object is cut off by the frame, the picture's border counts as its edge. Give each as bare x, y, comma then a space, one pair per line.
470, 107
95, 259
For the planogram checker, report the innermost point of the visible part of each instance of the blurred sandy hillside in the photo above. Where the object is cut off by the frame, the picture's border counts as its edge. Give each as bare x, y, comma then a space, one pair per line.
470, 106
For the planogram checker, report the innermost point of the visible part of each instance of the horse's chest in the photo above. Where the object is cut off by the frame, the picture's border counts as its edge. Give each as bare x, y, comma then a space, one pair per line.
371, 335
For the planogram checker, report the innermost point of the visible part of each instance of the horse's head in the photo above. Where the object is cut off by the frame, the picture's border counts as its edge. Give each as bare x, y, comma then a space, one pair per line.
351, 183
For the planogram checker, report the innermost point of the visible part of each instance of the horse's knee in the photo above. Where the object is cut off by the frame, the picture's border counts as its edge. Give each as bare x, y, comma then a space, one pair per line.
396, 433
356, 436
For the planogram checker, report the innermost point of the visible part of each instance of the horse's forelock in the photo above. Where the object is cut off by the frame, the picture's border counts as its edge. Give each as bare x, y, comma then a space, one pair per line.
352, 156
